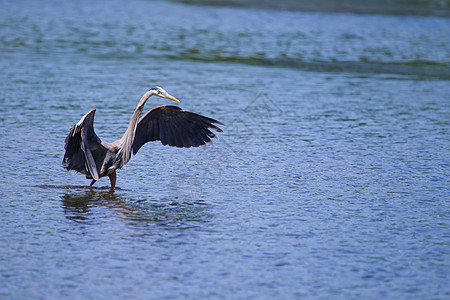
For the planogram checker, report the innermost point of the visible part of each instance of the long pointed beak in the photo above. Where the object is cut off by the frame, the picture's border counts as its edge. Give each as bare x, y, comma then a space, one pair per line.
171, 97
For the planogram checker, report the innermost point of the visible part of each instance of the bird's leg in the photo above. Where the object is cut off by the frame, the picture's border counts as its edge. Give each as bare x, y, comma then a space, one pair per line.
92, 182
112, 178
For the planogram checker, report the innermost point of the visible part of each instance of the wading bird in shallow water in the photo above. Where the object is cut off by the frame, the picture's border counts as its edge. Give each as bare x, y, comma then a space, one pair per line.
88, 154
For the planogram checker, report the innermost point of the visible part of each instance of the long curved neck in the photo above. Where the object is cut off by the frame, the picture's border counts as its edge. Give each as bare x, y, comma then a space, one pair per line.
125, 143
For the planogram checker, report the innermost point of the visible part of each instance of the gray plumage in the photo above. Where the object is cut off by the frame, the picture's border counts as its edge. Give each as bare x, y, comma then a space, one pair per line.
88, 154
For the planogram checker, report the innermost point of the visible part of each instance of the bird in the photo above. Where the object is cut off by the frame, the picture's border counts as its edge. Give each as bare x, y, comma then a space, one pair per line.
88, 154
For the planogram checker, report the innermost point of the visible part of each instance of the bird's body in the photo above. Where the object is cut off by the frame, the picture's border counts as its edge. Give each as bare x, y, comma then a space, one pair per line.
88, 154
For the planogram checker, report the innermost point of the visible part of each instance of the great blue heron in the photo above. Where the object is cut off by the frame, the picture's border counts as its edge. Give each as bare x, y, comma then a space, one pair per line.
88, 154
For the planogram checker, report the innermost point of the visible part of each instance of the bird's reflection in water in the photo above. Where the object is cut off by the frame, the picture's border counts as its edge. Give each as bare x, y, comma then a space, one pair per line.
86, 207
78, 206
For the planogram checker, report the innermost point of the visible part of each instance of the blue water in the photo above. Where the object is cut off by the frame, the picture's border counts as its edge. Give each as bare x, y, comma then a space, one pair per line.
330, 181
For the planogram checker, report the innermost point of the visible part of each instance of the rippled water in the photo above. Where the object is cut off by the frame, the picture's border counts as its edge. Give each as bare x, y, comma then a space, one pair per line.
331, 179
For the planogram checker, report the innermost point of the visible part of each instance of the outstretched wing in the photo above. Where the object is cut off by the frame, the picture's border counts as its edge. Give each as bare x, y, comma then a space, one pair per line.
174, 127
83, 146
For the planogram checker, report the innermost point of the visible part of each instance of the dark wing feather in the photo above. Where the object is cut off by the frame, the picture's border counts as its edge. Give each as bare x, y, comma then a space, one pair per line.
174, 127
83, 146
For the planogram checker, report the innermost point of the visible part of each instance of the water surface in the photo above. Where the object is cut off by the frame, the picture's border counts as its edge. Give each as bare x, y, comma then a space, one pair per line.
330, 181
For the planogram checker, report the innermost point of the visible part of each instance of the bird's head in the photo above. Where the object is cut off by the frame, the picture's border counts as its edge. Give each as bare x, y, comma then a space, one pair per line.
158, 91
